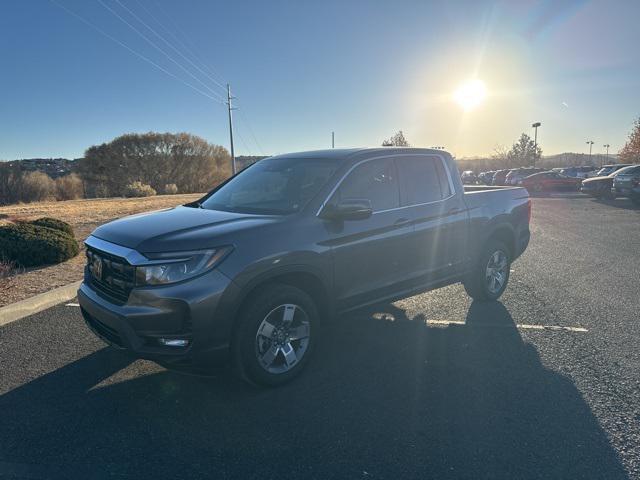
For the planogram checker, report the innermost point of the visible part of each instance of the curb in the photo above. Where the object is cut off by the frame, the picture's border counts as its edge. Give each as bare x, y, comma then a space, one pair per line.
24, 308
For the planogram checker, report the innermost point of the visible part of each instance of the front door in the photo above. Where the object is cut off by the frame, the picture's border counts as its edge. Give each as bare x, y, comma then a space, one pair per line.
370, 255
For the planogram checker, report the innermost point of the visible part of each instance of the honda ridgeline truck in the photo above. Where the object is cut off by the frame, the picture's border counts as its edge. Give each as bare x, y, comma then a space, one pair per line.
250, 272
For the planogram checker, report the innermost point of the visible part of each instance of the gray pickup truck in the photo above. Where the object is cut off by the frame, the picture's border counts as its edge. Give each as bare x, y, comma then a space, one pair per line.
250, 272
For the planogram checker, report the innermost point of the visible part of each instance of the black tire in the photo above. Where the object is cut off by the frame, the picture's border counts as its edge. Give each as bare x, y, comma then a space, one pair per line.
476, 283
247, 343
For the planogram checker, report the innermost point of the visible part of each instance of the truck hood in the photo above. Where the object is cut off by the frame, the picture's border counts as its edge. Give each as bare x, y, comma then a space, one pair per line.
177, 229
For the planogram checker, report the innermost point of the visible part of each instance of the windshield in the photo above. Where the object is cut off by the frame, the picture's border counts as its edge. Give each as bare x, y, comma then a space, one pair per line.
274, 186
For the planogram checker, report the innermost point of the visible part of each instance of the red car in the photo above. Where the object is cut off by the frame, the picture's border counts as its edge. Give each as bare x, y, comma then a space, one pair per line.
545, 181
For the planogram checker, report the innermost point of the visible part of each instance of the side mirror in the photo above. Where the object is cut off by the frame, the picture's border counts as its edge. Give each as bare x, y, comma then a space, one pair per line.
348, 209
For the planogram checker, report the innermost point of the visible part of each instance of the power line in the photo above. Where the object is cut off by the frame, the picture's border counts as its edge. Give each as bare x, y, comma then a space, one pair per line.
150, 42
192, 51
246, 123
131, 50
168, 43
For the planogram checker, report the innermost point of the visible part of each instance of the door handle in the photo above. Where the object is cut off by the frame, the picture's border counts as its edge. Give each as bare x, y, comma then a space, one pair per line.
401, 222
453, 210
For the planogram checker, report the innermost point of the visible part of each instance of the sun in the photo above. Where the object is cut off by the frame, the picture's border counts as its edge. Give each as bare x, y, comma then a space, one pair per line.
470, 94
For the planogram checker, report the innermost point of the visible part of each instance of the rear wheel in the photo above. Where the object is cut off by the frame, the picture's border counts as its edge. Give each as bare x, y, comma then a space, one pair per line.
490, 276
276, 334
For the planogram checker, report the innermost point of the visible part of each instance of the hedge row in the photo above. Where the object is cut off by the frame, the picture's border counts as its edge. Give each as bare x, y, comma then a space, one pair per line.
41, 242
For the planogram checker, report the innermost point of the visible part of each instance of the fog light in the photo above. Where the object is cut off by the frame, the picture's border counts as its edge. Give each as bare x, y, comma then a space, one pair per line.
173, 342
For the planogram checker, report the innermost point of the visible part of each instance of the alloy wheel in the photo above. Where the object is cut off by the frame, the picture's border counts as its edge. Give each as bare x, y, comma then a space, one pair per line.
496, 271
282, 338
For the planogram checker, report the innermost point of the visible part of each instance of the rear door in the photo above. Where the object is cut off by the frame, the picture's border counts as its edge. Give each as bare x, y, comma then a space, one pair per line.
370, 255
438, 215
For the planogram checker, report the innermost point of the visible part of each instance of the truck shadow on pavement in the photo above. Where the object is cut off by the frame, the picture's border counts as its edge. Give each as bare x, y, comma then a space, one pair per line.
386, 396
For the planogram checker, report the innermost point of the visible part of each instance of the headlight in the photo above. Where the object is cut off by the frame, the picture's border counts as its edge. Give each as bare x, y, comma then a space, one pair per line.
179, 266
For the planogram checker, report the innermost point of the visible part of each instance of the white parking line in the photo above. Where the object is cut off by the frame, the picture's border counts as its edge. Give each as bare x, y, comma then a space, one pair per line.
72, 305
557, 328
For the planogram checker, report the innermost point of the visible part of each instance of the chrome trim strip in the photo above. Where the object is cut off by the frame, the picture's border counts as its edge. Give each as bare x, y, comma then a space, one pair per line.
444, 166
132, 256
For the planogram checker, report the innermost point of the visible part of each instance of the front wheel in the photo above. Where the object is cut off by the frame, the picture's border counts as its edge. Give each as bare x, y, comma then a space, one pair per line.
489, 277
275, 335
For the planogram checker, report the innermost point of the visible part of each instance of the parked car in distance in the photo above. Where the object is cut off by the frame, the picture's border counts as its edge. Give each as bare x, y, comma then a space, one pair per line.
609, 169
249, 272
468, 177
548, 181
627, 184
602, 186
578, 172
500, 177
486, 177
517, 174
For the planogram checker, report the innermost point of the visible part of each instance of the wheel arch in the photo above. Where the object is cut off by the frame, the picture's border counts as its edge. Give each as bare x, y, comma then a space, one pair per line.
305, 278
506, 234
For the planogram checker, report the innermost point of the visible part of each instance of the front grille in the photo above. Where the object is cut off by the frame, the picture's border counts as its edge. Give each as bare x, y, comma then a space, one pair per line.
105, 331
117, 278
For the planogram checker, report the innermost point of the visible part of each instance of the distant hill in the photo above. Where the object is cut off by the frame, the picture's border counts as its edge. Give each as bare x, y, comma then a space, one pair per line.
54, 167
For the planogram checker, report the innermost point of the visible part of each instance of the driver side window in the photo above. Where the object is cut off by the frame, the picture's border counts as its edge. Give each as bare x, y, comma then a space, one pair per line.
375, 180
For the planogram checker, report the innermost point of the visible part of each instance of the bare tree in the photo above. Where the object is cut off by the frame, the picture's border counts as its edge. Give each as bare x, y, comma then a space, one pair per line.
155, 159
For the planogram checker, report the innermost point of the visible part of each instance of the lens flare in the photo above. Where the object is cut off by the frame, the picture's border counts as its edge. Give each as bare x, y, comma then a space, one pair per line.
470, 94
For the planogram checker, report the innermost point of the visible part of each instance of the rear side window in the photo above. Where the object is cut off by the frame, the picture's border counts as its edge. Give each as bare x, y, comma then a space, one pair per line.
445, 186
422, 180
374, 180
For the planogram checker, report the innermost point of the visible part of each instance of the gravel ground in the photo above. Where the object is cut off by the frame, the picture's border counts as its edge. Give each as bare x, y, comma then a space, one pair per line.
393, 392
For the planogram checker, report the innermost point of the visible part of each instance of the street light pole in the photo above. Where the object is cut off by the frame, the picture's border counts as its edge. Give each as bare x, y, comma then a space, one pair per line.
590, 143
535, 141
606, 145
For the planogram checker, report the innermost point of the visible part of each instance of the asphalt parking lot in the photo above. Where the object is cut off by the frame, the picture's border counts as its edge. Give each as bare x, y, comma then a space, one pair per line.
430, 387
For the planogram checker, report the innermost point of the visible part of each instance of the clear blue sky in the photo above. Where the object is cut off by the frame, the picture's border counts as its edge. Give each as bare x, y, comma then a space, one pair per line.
301, 69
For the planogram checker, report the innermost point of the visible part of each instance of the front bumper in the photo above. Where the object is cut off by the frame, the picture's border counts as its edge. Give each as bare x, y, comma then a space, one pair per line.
199, 311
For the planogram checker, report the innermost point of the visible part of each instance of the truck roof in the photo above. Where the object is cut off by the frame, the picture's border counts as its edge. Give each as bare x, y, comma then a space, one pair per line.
348, 153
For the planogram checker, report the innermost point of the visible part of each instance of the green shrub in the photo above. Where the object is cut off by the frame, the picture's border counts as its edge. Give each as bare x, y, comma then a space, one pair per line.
31, 245
55, 224
139, 189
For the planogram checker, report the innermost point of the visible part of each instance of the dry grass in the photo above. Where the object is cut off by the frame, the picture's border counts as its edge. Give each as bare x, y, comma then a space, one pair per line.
83, 216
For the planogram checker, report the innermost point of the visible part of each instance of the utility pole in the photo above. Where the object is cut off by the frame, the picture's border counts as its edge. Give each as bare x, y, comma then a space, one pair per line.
535, 141
333, 139
590, 143
230, 108
606, 145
